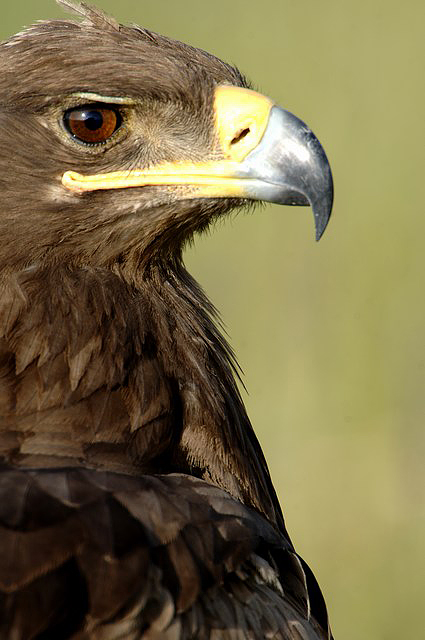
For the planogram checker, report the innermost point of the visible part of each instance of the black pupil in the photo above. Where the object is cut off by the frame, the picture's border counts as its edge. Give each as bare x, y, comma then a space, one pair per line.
93, 120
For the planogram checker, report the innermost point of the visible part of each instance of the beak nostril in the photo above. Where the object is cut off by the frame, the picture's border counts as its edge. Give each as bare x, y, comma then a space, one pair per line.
240, 136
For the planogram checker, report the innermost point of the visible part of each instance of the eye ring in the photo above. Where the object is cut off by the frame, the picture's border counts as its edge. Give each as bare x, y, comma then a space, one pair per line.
92, 124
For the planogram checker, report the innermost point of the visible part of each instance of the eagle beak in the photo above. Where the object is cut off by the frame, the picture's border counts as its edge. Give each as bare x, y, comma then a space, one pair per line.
266, 153
289, 166
283, 161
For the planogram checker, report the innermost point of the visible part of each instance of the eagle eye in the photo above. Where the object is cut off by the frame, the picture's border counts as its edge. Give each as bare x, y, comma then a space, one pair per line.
92, 124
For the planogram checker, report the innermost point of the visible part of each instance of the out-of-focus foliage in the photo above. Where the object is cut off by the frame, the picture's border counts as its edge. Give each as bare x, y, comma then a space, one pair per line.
330, 336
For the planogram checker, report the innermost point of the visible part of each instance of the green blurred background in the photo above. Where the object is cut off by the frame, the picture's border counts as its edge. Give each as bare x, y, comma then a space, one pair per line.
330, 335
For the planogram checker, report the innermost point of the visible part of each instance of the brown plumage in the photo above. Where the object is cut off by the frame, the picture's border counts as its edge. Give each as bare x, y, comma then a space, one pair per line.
135, 498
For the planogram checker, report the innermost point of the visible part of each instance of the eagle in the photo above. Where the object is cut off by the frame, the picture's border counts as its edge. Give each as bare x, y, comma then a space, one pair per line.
135, 500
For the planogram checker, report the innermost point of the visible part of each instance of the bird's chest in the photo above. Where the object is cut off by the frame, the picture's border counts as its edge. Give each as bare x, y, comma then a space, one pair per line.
82, 380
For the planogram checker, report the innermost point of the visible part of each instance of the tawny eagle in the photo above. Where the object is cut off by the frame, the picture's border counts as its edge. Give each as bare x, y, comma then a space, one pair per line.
135, 500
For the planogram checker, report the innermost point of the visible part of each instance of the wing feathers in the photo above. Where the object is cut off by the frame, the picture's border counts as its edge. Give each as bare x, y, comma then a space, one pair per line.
165, 556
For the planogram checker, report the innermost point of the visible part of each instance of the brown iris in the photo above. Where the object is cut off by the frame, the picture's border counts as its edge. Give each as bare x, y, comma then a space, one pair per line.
92, 124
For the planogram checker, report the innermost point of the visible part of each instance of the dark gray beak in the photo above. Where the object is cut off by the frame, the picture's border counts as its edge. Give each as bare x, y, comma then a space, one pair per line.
289, 166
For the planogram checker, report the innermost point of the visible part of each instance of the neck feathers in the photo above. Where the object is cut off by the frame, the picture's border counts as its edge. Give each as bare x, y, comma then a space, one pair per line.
129, 377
